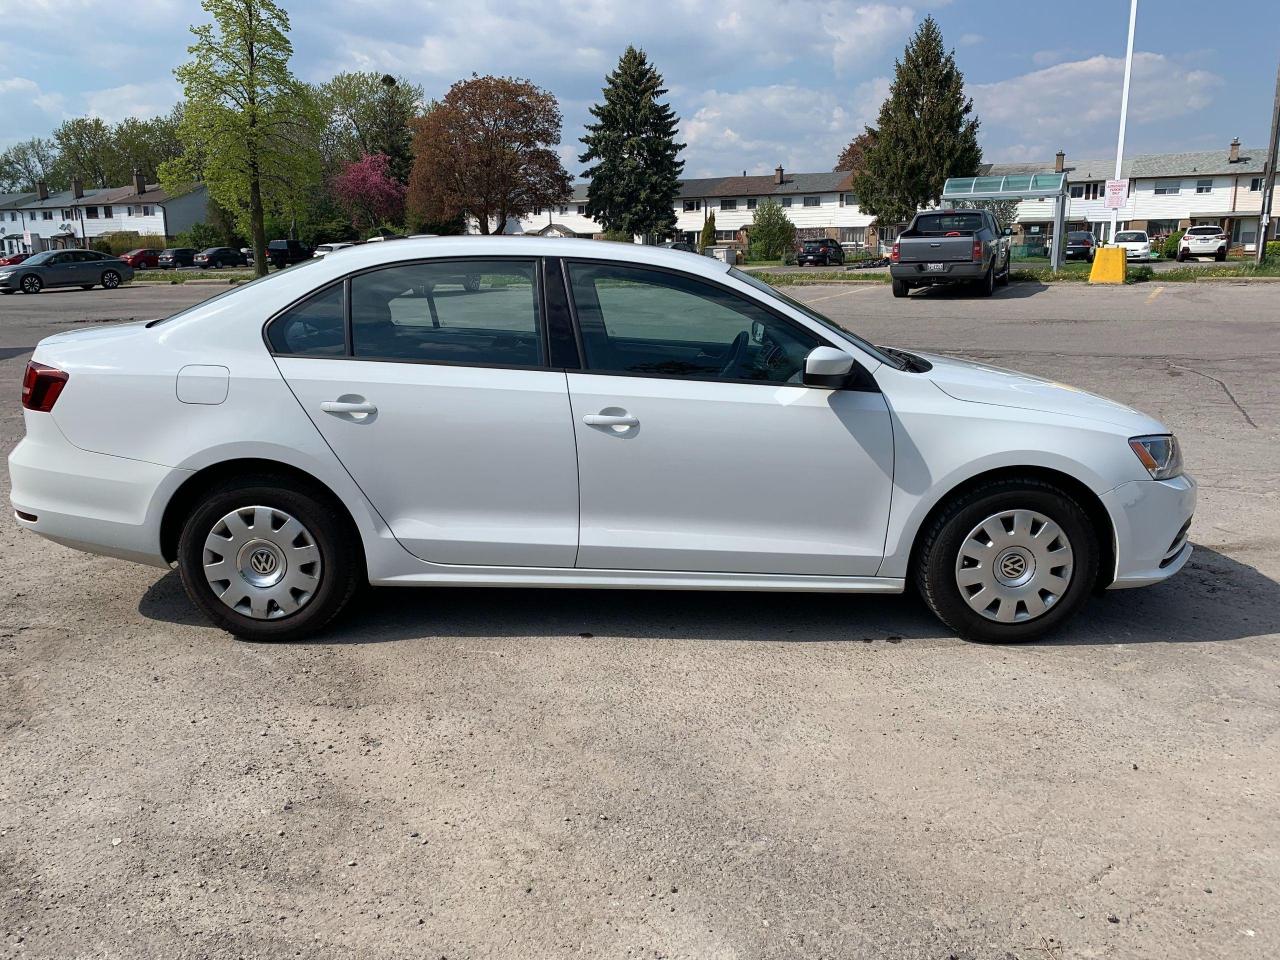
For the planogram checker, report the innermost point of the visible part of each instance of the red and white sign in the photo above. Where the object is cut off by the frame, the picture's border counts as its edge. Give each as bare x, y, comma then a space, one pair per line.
1117, 193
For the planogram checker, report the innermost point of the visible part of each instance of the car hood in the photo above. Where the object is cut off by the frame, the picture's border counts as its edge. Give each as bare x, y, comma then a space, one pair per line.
981, 383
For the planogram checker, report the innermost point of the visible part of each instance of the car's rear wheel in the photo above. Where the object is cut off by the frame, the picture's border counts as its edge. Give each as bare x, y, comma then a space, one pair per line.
1220, 256
1008, 561
110, 279
268, 560
31, 284
900, 288
987, 285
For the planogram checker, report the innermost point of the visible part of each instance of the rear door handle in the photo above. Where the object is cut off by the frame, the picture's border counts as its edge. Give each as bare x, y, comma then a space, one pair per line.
605, 420
347, 406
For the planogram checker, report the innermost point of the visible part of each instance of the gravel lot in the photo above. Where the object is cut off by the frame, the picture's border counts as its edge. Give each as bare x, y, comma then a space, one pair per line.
545, 774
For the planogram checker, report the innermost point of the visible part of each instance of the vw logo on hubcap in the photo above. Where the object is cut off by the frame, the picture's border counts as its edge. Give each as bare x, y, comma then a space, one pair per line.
263, 561
1012, 566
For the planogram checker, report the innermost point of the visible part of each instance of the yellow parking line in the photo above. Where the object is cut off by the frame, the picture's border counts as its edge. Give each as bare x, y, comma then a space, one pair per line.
1154, 293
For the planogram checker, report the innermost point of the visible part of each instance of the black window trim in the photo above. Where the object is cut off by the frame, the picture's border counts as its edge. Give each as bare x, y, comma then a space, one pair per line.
349, 351
865, 383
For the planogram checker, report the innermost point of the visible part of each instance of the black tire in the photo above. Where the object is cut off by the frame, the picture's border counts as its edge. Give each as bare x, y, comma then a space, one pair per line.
341, 560
31, 283
1220, 256
900, 288
939, 547
8, 293
987, 285
86, 286
110, 280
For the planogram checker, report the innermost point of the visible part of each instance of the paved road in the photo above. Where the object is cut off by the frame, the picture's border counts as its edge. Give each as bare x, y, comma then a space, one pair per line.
552, 774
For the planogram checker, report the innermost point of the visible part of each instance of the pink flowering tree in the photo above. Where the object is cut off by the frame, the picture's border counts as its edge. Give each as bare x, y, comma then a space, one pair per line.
368, 193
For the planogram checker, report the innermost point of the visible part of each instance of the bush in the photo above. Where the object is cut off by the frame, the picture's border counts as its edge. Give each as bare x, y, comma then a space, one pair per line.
1140, 274
201, 236
101, 244
1272, 253
619, 236
1170, 249
772, 235
122, 241
708, 236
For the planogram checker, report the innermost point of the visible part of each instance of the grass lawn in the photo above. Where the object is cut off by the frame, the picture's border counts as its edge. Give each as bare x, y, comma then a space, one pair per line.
182, 276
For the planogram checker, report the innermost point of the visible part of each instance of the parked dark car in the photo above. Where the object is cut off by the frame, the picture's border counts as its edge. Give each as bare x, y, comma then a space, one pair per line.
65, 268
820, 253
950, 246
284, 253
142, 259
13, 259
219, 257
1081, 245
173, 257
680, 245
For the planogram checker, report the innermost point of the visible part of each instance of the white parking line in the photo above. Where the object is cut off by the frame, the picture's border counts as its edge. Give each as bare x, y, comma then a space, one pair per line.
851, 289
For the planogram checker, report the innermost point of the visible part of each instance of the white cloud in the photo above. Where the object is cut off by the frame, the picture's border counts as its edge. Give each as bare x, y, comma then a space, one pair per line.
971, 39
18, 85
1078, 103
141, 100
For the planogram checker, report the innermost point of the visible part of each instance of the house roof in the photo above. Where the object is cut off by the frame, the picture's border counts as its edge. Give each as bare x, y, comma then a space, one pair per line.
1199, 162
8, 200
92, 197
765, 186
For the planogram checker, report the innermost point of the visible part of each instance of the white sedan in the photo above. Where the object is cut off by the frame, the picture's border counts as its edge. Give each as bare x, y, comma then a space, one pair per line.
538, 412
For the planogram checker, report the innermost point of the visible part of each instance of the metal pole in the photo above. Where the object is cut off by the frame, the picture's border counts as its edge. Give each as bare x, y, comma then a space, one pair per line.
1269, 177
1124, 106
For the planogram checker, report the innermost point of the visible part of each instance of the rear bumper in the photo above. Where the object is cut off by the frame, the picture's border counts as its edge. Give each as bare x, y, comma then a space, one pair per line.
1151, 519
951, 272
89, 501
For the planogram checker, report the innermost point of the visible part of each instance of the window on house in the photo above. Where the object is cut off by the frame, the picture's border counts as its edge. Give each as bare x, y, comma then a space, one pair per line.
106, 213
813, 201
1255, 185
786, 201
751, 203
148, 211
690, 206
1204, 186
582, 209
856, 235
66, 214
1095, 190
129, 211
46, 214
728, 204
1161, 228
91, 213
1168, 188
726, 234
848, 200
564, 208
1077, 191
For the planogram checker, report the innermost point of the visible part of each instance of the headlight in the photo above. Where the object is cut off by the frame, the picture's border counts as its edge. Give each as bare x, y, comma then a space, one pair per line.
1161, 455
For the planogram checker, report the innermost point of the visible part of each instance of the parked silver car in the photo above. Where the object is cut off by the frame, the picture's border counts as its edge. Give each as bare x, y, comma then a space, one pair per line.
65, 268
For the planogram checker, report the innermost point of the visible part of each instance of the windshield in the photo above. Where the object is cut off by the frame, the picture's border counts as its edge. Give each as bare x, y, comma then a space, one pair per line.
776, 294
40, 258
1079, 235
1131, 236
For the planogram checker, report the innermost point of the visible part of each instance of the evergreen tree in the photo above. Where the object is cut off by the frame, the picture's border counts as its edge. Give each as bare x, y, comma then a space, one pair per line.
773, 235
636, 173
925, 132
708, 236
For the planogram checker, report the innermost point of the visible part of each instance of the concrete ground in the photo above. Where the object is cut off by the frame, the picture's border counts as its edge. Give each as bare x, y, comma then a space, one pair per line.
549, 774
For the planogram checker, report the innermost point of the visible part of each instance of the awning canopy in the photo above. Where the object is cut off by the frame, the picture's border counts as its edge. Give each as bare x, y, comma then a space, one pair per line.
1020, 186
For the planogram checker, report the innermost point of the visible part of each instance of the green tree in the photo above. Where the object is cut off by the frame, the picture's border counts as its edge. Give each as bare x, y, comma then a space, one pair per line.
250, 130
1005, 211
773, 235
144, 145
925, 132
369, 113
636, 171
87, 149
708, 236
25, 163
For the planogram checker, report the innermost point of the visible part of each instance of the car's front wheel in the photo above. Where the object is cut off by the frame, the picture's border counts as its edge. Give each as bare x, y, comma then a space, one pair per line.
1008, 561
110, 280
31, 284
267, 560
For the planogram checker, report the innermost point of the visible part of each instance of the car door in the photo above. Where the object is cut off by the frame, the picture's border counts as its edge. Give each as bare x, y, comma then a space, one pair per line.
700, 449
437, 398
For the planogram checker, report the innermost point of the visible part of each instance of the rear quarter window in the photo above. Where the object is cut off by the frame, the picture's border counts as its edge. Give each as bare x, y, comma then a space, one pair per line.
316, 327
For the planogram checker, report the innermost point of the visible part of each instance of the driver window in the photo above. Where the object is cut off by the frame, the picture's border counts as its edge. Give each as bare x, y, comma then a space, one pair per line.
641, 321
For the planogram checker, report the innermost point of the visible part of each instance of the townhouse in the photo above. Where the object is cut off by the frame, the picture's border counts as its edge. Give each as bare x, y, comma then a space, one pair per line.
1167, 192
819, 204
32, 222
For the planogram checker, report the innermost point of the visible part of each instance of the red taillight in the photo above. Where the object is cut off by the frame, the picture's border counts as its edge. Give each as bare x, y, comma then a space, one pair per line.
894, 256
977, 249
1086, 243
41, 386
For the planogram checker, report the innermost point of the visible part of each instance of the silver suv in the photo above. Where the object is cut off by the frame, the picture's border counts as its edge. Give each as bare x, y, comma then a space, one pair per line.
1206, 241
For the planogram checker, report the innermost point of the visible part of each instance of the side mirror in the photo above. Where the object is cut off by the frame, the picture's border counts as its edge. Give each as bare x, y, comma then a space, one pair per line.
827, 367
1007, 231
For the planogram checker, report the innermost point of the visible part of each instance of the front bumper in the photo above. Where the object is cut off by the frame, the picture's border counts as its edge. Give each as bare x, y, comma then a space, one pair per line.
89, 501
1151, 520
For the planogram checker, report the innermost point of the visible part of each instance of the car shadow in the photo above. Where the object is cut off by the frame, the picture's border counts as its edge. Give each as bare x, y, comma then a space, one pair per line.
1015, 290
1214, 598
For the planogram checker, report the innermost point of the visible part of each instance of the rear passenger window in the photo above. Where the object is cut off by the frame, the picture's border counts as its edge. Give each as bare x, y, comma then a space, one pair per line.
448, 311
313, 328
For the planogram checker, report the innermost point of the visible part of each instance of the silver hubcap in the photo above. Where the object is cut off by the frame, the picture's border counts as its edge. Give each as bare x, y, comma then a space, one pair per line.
110, 280
1014, 566
31, 284
262, 563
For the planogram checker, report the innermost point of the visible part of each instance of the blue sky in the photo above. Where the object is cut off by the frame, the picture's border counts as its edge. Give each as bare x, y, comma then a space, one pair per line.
755, 82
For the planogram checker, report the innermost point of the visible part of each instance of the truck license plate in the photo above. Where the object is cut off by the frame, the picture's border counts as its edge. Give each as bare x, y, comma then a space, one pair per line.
934, 267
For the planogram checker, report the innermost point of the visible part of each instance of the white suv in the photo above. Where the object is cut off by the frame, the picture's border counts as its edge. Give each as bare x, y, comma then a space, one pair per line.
1206, 241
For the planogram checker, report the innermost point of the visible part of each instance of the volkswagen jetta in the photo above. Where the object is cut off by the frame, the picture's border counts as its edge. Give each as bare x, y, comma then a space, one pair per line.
538, 412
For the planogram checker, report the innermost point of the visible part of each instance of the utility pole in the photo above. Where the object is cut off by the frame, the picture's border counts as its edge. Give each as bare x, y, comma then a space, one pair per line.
1124, 107
1269, 176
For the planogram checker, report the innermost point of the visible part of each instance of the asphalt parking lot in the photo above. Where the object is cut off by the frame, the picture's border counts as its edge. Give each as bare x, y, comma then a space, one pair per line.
544, 774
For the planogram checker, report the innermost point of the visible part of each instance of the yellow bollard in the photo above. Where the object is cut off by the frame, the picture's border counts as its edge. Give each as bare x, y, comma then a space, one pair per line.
1108, 265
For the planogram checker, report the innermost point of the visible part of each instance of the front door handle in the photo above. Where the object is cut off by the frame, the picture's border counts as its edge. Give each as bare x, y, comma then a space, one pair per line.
607, 420
348, 406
